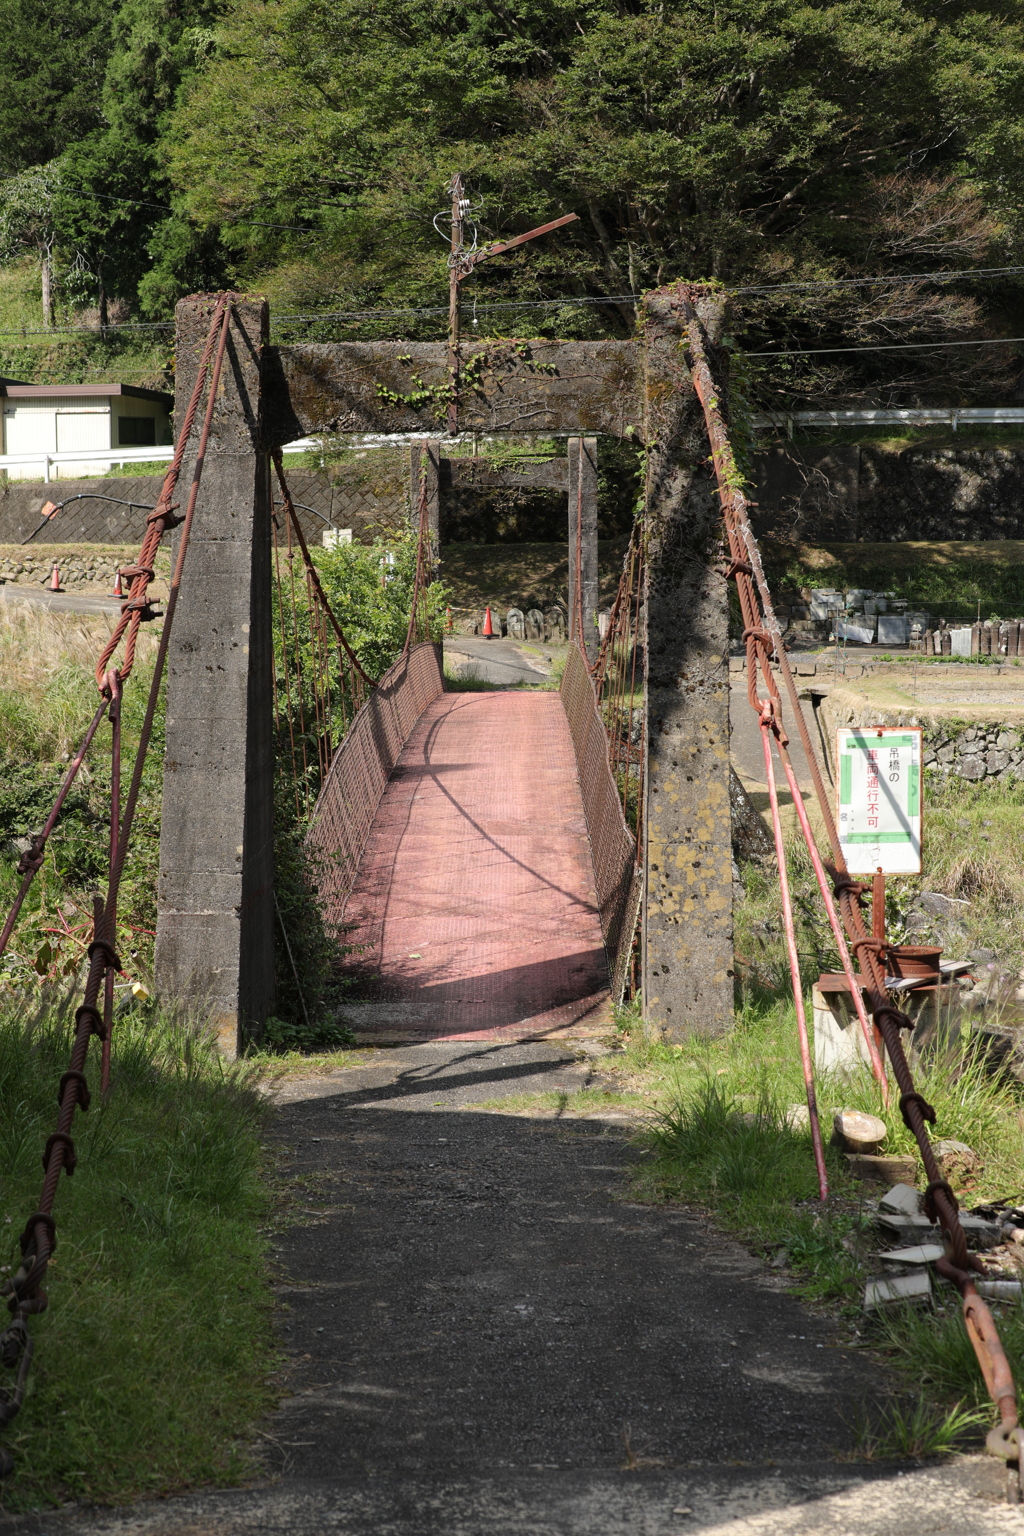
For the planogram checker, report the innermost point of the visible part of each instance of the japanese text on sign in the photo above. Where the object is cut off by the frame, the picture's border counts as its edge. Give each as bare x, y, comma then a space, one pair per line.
880, 799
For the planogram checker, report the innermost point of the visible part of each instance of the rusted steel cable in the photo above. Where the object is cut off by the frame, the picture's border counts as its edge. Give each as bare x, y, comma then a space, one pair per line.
794, 958
308, 681
314, 575
31, 860
24, 1289
763, 641
114, 715
136, 610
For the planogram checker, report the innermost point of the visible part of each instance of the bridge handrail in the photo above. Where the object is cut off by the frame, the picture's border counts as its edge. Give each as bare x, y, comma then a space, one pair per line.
612, 844
360, 769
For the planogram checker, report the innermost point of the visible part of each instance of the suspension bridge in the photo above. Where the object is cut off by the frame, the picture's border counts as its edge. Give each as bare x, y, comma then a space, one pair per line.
506, 863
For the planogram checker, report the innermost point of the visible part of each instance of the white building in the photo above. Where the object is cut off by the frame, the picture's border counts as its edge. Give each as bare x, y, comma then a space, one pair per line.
43, 419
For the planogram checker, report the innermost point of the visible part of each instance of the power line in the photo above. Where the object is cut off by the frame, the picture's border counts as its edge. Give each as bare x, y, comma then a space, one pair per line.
901, 277
900, 346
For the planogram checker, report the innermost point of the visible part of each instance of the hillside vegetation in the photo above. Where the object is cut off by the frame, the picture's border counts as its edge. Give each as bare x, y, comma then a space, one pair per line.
150, 149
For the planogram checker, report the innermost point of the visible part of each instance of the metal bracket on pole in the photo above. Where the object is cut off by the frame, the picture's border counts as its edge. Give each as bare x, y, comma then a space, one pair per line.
461, 263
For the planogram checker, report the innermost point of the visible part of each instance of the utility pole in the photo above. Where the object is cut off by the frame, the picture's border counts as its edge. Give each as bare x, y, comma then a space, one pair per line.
460, 264
456, 271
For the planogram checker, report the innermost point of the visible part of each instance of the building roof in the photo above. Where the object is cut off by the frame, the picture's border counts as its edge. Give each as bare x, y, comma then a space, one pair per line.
16, 391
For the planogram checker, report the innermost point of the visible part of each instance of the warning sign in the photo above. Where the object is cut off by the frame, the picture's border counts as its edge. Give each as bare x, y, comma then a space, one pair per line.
880, 799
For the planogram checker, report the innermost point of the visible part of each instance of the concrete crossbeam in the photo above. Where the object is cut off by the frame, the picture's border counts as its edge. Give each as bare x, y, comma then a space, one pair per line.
402, 386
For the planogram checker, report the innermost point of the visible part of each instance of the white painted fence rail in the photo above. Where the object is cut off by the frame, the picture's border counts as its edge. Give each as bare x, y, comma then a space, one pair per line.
108, 457
914, 416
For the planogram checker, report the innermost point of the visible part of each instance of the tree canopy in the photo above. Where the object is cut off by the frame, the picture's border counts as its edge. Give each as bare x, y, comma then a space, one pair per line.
306, 147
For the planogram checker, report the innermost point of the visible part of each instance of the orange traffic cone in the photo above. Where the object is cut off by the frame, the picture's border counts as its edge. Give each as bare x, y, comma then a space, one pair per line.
449, 626
55, 585
117, 584
488, 630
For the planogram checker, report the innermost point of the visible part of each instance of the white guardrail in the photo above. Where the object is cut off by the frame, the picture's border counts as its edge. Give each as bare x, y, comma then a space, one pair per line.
111, 456
915, 416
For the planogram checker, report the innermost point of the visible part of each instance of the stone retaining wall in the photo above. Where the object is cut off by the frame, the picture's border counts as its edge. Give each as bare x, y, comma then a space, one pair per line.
352, 497
988, 747
864, 492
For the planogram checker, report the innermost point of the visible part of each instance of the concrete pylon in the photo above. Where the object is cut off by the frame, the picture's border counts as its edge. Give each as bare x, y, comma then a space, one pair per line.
582, 454
215, 917
424, 474
687, 901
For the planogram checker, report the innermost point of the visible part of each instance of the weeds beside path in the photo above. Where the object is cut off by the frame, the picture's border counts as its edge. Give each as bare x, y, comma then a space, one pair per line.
151, 1360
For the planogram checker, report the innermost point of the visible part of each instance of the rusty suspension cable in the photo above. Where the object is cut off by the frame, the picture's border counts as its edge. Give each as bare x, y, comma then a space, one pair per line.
312, 572
24, 1289
763, 641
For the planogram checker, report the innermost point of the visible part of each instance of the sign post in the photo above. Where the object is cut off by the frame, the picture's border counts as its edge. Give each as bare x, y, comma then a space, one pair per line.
879, 820
880, 799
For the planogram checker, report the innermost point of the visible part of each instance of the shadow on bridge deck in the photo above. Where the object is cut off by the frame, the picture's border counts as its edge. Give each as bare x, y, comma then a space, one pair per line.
474, 908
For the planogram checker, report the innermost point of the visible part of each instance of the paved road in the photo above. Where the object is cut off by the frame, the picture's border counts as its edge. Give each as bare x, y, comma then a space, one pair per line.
58, 602
485, 1336
500, 662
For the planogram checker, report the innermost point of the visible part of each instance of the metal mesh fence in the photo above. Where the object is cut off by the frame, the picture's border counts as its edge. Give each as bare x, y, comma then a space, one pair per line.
360, 771
612, 844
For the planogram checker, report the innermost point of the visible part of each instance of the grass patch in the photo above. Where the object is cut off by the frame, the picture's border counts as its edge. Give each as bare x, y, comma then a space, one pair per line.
905, 1431
151, 1360
47, 698
949, 577
725, 1140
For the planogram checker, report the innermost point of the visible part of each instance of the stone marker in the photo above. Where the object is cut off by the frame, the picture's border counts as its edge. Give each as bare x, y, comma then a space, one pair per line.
858, 1132
916, 1289
882, 1170
892, 629
901, 1199
534, 624
554, 620
515, 624
798, 1117
923, 1253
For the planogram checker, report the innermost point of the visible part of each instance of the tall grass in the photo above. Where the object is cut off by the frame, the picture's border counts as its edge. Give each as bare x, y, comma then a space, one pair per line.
150, 1359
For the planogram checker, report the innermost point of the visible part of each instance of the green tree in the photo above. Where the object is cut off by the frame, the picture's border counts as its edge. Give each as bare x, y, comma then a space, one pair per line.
28, 222
52, 65
753, 141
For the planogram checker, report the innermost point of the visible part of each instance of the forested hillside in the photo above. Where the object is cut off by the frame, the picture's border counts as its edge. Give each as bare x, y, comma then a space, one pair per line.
156, 147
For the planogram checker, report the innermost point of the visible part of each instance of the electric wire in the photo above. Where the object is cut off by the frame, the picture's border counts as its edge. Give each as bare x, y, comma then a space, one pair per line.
896, 346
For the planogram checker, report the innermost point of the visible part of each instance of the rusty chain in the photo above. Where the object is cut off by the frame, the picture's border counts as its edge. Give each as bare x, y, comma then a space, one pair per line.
763, 639
24, 1289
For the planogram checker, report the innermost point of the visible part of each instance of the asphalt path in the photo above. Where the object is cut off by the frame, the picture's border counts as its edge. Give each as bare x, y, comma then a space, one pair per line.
57, 602
501, 663
486, 1334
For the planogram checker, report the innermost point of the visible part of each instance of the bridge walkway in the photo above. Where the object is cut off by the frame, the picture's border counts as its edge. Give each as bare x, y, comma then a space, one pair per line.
474, 912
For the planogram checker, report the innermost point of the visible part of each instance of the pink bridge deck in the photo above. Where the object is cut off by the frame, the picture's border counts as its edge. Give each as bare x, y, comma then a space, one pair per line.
474, 904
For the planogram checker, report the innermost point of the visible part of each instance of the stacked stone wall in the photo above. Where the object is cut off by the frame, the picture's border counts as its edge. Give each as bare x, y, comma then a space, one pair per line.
864, 492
